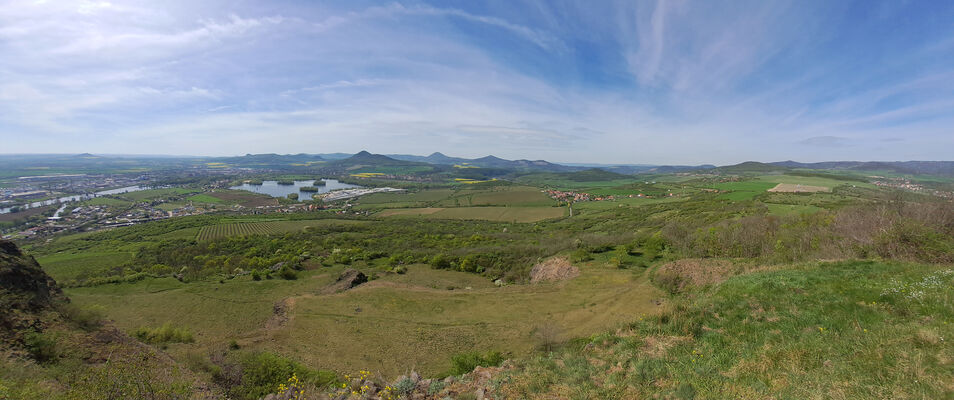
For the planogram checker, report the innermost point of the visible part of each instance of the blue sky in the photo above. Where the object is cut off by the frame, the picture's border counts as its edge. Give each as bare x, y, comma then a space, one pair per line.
665, 82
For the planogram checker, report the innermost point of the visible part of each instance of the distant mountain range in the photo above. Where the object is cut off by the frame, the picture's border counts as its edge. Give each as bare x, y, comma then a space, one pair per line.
486, 162
490, 164
939, 168
945, 168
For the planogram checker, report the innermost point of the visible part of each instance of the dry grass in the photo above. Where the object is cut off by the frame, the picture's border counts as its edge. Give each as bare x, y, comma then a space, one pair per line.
391, 324
553, 269
678, 276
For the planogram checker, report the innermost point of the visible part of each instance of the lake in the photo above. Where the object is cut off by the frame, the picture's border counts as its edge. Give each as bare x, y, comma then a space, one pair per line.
272, 188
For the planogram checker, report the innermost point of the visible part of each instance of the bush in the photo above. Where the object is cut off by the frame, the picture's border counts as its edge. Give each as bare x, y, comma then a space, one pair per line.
601, 248
440, 261
263, 372
256, 275
288, 273
580, 255
198, 362
405, 386
400, 269
42, 346
87, 318
466, 362
164, 334
435, 387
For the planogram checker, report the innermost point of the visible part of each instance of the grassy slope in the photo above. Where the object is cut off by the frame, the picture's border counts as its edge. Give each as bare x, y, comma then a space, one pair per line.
404, 320
830, 330
64, 266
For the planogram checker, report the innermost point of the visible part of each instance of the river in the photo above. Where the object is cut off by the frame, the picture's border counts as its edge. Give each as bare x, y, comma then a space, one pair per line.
78, 197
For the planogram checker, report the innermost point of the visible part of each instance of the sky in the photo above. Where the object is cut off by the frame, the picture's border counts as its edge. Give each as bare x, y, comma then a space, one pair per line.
637, 82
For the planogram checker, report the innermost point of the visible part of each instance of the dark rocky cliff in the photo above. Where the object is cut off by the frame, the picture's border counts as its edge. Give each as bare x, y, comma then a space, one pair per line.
26, 291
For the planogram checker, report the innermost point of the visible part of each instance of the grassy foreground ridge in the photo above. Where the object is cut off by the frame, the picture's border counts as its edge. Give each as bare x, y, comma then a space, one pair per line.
847, 330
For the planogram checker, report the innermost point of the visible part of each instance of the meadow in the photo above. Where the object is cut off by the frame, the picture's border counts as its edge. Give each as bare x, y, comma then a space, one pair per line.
438, 314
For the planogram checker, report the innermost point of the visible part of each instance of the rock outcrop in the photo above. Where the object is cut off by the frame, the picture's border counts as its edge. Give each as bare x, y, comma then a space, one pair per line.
348, 279
553, 269
25, 291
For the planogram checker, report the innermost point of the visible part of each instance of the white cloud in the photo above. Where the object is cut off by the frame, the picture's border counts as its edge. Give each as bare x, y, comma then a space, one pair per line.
676, 81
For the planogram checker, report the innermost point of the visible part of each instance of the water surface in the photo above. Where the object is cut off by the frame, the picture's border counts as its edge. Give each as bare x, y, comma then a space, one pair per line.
272, 188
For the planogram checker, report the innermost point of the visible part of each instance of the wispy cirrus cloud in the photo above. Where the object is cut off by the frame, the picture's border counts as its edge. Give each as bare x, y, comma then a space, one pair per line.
538, 37
617, 81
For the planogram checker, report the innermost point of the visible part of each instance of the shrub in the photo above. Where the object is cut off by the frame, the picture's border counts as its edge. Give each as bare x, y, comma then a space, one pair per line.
601, 248
288, 273
42, 346
263, 372
198, 362
435, 387
256, 275
405, 386
164, 334
580, 255
88, 318
466, 362
400, 269
440, 261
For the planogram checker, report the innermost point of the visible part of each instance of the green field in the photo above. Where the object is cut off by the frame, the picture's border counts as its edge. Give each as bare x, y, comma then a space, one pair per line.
625, 202
508, 196
745, 190
522, 196
811, 181
67, 266
107, 201
503, 214
263, 228
204, 198
422, 198
152, 194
